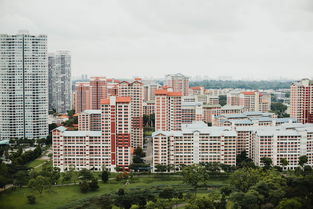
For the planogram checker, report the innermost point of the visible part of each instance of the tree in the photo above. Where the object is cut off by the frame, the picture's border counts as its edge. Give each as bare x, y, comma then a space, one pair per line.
124, 201
52, 173
93, 185
31, 199
267, 162
279, 109
244, 178
21, 178
302, 160
167, 193
105, 176
85, 174
222, 100
105, 201
83, 186
193, 175
161, 168
39, 183
284, 162
293, 203
242, 160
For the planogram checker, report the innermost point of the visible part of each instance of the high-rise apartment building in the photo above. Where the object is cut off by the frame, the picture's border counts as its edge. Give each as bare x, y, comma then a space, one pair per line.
109, 147
23, 86
134, 90
301, 101
149, 90
168, 110
89, 94
82, 96
60, 85
98, 91
178, 82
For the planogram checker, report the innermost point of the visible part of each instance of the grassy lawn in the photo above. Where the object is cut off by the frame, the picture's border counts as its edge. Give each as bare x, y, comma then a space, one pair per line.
65, 195
35, 163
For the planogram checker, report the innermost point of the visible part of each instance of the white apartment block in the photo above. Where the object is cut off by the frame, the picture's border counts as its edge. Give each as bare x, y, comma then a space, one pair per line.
195, 143
89, 120
60, 85
23, 86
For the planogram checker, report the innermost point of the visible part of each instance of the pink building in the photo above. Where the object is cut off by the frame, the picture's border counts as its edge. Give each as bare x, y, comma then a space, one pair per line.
98, 91
192, 111
168, 110
134, 90
196, 90
148, 107
250, 100
82, 96
301, 101
89, 120
148, 91
178, 82
95, 150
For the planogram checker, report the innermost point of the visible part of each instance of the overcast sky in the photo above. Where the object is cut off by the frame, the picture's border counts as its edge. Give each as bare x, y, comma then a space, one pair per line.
254, 39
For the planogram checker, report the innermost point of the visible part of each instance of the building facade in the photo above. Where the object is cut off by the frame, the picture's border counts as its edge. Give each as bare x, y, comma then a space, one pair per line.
301, 101
60, 84
178, 82
195, 143
168, 110
250, 100
108, 148
23, 86
134, 90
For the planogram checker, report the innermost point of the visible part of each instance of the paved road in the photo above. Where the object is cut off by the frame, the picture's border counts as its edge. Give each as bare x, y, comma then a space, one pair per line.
147, 148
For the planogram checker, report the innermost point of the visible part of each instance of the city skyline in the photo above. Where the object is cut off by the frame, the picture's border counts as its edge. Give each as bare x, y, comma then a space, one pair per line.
242, 39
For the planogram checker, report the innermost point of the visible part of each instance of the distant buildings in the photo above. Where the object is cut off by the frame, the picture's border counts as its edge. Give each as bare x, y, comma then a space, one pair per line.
250, 100
178, 83
23, 86
89, 94
60, 86
301, 101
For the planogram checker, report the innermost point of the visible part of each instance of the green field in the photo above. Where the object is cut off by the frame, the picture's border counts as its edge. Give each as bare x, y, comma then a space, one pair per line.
60, 196
35, 163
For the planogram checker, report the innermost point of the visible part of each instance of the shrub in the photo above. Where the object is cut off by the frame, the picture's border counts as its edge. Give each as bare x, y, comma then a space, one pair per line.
31, 199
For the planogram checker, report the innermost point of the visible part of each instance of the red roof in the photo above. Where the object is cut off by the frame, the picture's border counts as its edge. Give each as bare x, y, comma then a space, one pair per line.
123, 99
174, 94
197, 87
248, 92
167, 93
105, 101
118, 99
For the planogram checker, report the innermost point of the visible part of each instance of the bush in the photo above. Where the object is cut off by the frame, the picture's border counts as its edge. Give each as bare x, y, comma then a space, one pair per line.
31, 199
83, 186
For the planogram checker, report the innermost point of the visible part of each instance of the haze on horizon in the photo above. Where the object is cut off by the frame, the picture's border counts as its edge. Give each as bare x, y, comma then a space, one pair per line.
244, 39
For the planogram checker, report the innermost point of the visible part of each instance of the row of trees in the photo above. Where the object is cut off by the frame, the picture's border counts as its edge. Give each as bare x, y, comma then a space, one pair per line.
219, 84
15, 171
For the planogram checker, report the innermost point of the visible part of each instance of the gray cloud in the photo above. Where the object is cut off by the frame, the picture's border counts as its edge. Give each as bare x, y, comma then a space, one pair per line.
261, 39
